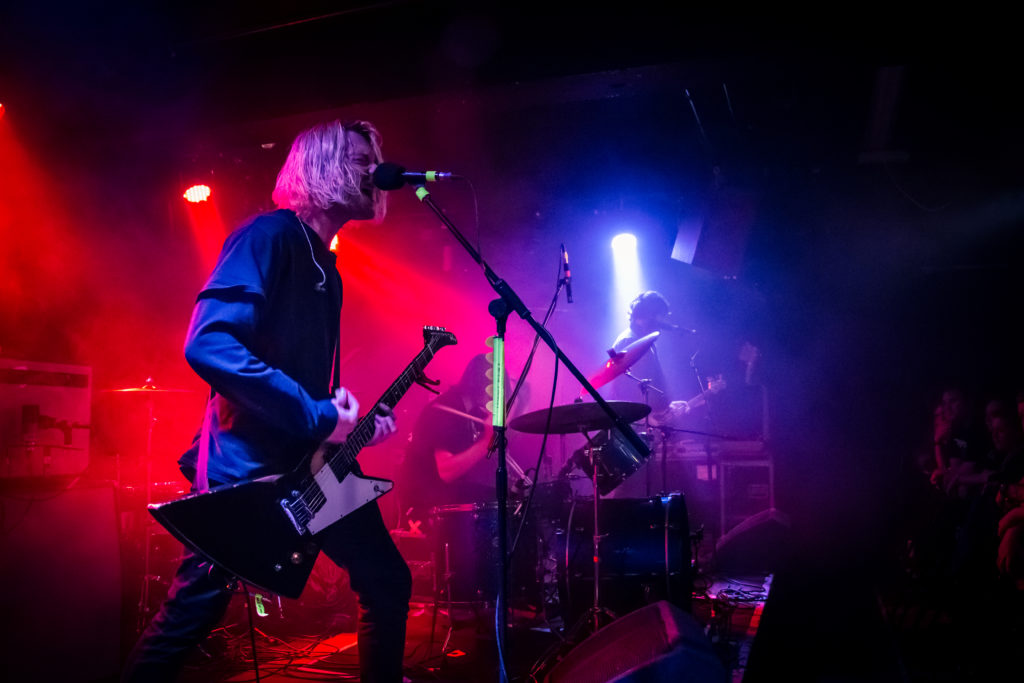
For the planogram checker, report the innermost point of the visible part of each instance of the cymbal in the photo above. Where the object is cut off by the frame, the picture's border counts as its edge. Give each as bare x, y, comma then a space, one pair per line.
149, 389
577, 417
623, 360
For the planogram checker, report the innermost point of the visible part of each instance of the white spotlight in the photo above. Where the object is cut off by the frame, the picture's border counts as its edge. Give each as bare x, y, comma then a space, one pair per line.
627, 277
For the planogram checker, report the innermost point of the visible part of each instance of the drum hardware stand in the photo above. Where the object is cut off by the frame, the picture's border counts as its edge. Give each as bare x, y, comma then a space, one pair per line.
596, 610
592, 617
448, 592
143, 607
645, 388
433, 616
710, 461
446, 579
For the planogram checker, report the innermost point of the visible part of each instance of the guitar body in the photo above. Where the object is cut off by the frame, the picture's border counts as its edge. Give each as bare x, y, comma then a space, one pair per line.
263, 531
243, 528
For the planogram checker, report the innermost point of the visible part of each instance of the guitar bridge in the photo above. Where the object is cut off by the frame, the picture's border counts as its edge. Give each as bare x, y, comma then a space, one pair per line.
298, 514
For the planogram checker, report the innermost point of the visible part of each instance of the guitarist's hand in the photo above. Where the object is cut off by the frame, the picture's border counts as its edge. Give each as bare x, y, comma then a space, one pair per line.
384, 419
679, 408
348, 415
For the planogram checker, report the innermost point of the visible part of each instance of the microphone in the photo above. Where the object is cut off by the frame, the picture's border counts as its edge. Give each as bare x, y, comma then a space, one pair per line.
568, 275
389, 176
672, 327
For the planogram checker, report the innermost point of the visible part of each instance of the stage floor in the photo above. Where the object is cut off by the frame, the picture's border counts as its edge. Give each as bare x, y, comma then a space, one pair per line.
729, 608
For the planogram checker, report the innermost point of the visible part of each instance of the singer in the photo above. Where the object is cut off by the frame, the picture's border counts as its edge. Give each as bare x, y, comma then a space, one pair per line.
265, 335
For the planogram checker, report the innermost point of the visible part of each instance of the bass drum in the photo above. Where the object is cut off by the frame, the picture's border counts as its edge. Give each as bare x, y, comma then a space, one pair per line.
644, 554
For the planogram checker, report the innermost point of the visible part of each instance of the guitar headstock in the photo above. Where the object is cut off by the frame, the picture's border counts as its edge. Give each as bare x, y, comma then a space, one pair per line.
750, 355
437, 337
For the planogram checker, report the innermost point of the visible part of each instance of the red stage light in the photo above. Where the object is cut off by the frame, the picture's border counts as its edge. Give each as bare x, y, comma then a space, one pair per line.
197, 193
2, 110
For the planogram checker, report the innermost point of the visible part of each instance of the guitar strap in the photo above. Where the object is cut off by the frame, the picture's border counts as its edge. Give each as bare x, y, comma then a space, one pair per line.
336, 381
202, 482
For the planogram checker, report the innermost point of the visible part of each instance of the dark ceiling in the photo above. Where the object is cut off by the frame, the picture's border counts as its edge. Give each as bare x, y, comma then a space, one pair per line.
164, 69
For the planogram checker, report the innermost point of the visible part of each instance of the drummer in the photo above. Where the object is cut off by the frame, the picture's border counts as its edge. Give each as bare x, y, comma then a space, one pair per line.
646, 383
739, 409
446, 461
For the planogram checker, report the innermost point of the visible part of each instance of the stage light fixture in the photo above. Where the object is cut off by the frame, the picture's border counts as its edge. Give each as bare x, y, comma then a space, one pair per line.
197, 193
623, 243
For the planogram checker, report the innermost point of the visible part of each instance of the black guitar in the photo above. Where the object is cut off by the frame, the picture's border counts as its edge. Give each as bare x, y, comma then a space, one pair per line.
263, 530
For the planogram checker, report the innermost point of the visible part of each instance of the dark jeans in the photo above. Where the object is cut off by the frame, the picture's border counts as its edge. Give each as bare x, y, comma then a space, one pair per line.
200, 594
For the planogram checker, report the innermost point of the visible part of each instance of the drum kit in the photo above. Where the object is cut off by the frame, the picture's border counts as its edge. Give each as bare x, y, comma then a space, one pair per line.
578, 559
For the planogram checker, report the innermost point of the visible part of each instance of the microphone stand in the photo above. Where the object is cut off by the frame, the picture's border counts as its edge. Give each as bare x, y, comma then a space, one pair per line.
510, 302
709, 460
645, 387
499, 310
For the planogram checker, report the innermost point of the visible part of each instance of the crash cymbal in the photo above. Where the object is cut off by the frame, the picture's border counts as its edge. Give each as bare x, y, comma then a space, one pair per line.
623, 360
577, 417
149, 389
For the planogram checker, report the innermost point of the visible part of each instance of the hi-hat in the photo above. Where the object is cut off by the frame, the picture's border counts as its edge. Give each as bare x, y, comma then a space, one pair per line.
577, 417
621, 361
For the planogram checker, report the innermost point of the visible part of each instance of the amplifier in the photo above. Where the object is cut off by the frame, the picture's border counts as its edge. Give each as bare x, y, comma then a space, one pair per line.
44, 418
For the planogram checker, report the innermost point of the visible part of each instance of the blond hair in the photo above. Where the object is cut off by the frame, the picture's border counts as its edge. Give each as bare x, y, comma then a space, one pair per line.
319, 170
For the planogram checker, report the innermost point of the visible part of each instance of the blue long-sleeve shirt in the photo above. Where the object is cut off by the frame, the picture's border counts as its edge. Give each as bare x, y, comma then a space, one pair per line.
263, 336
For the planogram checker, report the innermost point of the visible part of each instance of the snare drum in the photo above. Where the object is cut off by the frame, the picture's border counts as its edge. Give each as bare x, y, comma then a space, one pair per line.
644, 554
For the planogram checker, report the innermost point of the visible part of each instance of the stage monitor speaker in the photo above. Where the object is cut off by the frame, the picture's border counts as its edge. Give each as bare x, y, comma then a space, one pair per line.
658, 642
60, 572
760, 543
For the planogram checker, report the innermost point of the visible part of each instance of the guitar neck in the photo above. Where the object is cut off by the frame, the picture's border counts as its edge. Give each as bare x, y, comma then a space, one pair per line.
696, 402
343, 456
714, 386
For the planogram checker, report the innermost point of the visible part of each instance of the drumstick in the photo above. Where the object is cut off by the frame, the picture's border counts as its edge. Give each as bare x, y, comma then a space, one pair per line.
512, 463
453, 411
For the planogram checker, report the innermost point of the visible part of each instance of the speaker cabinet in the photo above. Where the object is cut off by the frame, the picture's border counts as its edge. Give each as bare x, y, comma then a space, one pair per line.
760, 543
60, 585
658, 642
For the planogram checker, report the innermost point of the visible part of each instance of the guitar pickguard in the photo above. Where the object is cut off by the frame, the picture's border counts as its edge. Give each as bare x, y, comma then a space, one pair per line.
342, 498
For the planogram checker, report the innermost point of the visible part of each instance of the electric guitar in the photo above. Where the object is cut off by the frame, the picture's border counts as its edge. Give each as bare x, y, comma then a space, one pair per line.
263, 531
715, 385
749, 354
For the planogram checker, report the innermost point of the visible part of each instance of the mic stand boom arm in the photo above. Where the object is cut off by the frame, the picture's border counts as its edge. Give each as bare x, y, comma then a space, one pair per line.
515, 304
500, 308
